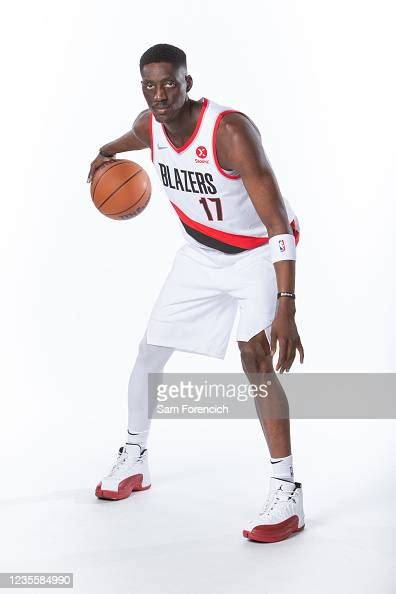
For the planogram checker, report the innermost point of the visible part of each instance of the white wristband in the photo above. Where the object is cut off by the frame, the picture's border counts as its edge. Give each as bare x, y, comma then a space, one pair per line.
282, 247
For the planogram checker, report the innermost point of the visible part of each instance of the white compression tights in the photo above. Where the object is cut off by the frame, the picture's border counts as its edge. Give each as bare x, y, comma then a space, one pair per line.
150, 359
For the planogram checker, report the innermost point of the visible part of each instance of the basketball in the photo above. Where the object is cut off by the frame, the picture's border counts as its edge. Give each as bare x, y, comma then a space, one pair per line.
120, 189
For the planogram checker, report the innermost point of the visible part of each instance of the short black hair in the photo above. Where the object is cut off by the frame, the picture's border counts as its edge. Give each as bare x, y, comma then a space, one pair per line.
163, 52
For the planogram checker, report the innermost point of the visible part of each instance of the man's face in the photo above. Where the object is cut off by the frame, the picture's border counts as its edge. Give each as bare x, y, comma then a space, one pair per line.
165, 88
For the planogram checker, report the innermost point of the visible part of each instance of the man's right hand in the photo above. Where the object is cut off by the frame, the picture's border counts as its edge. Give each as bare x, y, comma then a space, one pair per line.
96, 163
134, 140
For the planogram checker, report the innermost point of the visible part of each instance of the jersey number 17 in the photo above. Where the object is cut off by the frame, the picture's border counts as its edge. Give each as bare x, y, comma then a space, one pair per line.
219, 211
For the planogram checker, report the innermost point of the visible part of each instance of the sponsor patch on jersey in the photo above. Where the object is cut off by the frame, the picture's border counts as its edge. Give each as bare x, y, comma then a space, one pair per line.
202, 153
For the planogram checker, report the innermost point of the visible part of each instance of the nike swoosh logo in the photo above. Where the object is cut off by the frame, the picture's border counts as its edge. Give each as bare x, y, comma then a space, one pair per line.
161, 147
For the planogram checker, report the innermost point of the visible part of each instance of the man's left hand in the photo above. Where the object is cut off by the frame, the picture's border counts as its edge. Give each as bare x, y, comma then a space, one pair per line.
284, 331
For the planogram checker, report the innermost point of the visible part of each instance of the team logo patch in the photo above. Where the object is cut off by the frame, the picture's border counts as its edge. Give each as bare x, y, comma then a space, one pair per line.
282, 245
201, 152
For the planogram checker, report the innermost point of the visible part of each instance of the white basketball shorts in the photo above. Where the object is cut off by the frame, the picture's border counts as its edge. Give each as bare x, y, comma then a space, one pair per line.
197, 305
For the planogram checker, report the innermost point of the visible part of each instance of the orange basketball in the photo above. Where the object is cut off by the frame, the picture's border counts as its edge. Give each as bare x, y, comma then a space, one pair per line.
120, 189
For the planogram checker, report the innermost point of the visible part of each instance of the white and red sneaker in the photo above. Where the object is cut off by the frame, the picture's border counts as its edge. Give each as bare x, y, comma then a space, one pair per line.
282, 514
129, 473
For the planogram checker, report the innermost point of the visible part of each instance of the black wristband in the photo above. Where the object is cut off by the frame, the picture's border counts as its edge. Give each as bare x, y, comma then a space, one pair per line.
106, 154
286, 294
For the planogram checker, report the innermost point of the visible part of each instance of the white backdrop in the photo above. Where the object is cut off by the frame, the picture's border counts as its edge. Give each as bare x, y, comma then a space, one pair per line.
77, 288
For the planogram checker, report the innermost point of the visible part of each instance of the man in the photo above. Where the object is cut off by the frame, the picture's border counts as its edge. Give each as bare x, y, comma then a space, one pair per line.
240, 251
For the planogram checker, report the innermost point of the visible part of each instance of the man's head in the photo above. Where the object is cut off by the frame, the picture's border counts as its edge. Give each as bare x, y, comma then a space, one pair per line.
165, 81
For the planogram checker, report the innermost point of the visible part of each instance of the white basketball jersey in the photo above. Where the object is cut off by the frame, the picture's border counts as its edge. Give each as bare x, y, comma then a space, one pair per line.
212, 204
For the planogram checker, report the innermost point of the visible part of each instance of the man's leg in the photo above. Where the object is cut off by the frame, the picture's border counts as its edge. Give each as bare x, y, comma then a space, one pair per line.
131, 472
273, 411
282, 514
150, 359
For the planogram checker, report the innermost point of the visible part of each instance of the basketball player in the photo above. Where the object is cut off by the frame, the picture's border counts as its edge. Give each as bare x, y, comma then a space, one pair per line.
239, 254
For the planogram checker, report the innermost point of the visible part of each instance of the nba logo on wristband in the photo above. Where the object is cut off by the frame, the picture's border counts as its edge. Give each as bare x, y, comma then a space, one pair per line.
282, 247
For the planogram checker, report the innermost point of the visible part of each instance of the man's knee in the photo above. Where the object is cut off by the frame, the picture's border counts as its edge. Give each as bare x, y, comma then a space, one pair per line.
153, 356
256, 354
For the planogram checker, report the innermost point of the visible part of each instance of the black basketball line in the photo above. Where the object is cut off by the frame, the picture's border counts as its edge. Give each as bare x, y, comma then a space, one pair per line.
119, 188
118, 162
118, 213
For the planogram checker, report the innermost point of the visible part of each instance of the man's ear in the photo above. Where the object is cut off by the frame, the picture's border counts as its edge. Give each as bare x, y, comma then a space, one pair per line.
189, 82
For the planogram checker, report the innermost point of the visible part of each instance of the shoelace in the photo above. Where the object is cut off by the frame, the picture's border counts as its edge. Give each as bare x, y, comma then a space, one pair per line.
274, 498
122, 458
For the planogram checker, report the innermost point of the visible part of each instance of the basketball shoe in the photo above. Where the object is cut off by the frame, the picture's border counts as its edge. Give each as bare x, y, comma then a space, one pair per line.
282, 514
129, 473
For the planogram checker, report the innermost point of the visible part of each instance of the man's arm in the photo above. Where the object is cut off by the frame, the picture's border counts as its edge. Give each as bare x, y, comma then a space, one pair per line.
136, 139
239, 148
